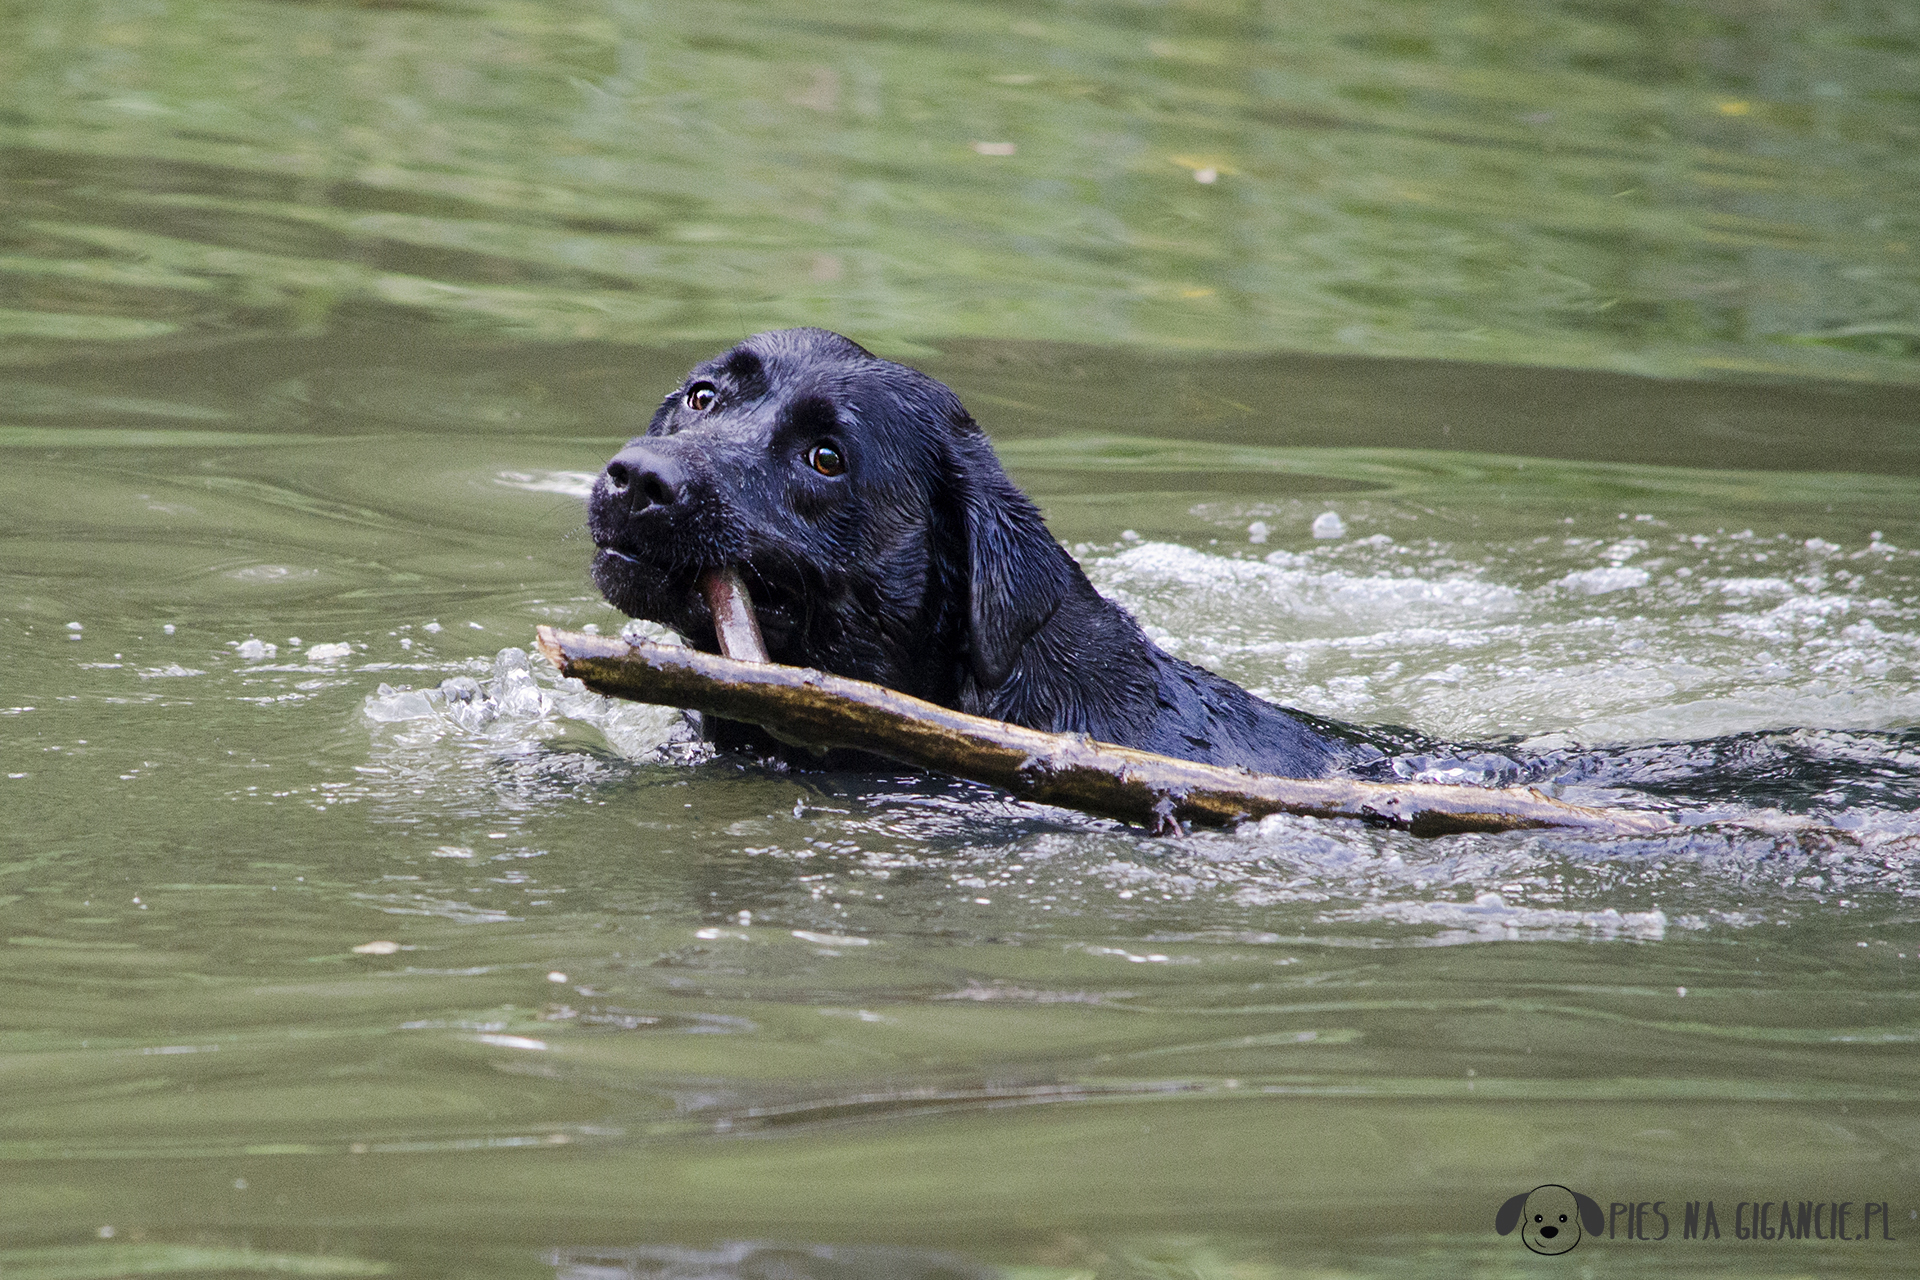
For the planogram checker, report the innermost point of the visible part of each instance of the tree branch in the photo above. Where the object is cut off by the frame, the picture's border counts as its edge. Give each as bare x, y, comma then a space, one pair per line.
812, 708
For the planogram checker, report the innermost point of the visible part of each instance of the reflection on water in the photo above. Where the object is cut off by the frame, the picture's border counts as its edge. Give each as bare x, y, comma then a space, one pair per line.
763, 1262
1681, 187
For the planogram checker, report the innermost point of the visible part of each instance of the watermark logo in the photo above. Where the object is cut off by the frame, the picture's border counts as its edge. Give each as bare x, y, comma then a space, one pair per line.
1550, 1218
1554, 1219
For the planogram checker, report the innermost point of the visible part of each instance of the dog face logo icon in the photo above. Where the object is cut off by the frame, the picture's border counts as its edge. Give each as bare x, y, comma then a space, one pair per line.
1549, 1218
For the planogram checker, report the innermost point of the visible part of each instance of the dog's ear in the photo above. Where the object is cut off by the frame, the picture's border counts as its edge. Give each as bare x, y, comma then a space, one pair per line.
1590, 1216
1017, 575
1509, 1216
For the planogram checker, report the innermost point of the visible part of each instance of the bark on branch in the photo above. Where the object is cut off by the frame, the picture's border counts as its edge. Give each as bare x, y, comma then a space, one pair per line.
812, 708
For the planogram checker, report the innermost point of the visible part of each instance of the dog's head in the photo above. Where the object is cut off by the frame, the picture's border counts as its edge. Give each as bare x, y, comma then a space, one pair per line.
873, 526
1549, 1218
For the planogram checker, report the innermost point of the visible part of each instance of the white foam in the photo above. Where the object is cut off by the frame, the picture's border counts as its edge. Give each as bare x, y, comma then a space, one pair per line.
573, 484
521, 704
1596, 582
1535, 639
1187, 586
1490, 918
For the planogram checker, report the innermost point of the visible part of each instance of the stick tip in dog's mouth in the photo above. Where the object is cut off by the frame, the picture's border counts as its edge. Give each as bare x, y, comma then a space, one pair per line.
724, 592
734, 625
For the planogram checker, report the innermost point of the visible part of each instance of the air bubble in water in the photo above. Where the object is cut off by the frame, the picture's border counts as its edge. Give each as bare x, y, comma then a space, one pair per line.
1328, 524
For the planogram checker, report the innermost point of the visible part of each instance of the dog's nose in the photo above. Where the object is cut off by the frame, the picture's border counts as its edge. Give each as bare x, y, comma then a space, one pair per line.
1549, 1232
646, 477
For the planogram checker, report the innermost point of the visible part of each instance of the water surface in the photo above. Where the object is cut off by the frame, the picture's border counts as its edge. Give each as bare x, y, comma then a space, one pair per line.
1679, 188
630, 1000
342, 939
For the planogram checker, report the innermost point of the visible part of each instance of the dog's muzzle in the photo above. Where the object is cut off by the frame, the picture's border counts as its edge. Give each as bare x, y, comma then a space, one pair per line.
642, 476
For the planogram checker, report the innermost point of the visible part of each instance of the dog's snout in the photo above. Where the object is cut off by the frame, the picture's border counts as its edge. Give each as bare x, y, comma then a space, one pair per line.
646, 477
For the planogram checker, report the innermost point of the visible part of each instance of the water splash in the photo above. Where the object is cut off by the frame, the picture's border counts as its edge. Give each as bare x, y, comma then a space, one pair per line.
1507, 641
520, 704
1432, 633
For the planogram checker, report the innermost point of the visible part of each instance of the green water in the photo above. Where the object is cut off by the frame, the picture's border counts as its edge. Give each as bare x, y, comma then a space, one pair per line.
316, 318
1661, 187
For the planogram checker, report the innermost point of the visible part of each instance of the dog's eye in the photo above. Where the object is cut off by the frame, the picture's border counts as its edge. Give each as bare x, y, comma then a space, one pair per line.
701, 396
827, 460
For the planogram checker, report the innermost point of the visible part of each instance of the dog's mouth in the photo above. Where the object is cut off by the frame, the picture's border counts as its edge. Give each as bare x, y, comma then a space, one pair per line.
686, 598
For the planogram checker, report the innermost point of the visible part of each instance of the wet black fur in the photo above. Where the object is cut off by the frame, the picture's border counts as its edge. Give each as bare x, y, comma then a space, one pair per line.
921, 568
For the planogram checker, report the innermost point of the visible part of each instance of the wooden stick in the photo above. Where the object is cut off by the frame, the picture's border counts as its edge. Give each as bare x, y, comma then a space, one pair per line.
733, 622
815, 709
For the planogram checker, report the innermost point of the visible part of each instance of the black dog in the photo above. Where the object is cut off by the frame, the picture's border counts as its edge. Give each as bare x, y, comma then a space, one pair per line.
880, 539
